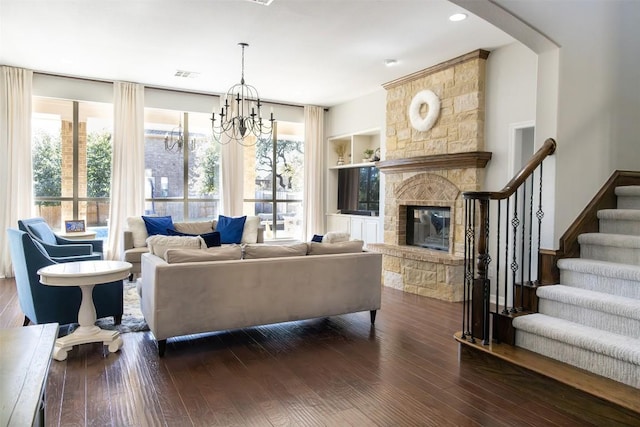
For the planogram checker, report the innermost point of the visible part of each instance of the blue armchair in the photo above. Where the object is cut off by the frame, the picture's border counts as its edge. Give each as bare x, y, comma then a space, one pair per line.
45, 304
59, 248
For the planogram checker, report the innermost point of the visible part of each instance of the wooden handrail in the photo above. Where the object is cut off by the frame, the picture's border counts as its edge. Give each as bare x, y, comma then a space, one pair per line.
547, 149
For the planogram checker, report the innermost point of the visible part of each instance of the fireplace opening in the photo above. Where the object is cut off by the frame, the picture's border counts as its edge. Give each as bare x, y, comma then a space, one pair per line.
428, 227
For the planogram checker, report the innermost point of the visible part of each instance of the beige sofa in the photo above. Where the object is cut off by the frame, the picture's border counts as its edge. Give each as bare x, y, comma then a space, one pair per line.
196, 297
134, 239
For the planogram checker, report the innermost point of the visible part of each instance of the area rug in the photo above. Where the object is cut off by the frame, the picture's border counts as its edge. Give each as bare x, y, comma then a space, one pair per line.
132, 319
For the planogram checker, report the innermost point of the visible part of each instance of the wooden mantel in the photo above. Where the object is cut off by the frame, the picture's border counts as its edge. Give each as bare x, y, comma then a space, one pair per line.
472, 159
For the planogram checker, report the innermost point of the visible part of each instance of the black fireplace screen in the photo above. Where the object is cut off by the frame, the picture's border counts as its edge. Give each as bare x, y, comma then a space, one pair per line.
428, 227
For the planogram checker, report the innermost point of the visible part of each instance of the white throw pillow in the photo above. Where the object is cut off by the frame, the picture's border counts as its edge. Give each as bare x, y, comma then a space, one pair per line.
336, 237
158, 244
135, 224
250, 230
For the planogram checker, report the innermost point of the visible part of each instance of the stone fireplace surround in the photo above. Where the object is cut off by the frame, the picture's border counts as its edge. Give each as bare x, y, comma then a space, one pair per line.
432, 168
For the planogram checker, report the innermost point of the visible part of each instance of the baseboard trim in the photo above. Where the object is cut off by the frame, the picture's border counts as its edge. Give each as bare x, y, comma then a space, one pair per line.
604, 388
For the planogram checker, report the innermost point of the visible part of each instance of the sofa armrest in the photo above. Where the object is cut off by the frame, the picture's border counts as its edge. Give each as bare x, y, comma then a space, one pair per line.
67, 250
95, 243
128, 240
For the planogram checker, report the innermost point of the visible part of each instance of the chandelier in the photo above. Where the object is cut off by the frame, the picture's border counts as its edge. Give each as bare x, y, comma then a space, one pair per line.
174, 140
241, 115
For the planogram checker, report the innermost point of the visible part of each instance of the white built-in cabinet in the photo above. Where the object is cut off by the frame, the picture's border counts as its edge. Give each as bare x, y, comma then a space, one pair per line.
366, 228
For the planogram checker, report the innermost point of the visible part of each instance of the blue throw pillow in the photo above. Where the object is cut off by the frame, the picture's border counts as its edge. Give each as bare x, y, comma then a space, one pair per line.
317, 238
157, 224
211, 239
230, 229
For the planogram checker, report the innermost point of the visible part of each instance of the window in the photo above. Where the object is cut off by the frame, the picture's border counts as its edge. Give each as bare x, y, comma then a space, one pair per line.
71, 154
182, 165
273, 189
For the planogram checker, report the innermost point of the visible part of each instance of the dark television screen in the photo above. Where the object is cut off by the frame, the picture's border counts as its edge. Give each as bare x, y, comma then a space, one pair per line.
359, 190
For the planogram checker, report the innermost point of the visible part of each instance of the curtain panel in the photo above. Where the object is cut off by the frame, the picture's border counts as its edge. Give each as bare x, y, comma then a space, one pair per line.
16, 190
127, 165
231, 172
313, 222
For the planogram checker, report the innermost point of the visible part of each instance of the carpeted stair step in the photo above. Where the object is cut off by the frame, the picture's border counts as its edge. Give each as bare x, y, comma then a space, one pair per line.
628, 197
611, 313
610, 247
602, 276
619, 221
603, 353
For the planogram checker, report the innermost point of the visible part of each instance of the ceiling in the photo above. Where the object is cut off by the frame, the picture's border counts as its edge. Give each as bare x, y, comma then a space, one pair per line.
301, 51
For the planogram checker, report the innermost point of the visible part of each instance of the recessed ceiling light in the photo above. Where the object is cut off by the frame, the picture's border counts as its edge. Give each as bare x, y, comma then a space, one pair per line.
458, 17
390, 62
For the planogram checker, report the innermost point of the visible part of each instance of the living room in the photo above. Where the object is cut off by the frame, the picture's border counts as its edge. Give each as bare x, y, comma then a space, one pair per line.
579, 90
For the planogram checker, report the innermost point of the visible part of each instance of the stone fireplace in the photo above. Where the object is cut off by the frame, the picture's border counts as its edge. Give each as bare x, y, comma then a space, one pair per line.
429, 170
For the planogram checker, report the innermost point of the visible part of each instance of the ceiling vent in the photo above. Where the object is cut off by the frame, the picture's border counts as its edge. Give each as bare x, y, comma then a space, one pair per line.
186, 74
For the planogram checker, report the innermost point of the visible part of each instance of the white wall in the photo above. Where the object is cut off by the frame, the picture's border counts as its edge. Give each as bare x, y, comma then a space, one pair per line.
510, 99
597, 101
364, 113
100, 91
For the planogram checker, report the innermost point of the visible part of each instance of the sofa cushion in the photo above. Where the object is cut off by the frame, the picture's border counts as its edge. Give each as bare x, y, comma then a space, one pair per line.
230, 228
176, 256
352, 246
134, 255
194, 227
157, 224
250, 230
159, 244
336, 237
135, 224
210, 239
258, 250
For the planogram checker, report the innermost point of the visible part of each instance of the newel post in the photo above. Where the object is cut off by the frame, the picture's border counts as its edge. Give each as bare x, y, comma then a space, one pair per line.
481, 283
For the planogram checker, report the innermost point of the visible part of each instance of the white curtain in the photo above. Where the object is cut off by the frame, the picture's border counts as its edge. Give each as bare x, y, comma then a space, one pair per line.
127, 162
16, 191
313, 171
231, 173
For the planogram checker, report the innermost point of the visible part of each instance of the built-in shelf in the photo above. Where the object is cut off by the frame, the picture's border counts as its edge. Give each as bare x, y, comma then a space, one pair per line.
354, 165
473, 159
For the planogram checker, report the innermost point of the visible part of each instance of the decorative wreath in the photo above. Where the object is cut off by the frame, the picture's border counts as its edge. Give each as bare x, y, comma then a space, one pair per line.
433, 102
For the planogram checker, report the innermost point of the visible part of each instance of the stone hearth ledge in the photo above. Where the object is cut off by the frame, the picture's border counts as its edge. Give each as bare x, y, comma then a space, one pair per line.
416, 253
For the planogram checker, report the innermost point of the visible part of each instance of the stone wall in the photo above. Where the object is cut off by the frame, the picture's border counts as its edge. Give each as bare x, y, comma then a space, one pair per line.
459, 84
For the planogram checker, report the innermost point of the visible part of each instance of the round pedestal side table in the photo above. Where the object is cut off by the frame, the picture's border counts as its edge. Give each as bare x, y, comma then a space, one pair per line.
86, 275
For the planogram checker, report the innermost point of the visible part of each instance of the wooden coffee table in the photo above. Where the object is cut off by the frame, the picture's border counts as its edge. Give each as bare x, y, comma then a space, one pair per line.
86, 275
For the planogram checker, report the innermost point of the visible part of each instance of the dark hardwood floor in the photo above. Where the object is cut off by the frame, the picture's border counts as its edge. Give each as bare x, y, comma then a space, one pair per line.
406, 371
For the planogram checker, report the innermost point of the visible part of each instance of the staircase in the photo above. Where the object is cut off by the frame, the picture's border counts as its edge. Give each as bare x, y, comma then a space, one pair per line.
591, 320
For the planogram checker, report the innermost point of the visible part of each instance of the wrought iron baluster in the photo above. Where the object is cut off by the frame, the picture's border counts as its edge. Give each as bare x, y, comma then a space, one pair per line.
531, 227
497, 275
522, 242
539, 215
506, 259
515, 222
